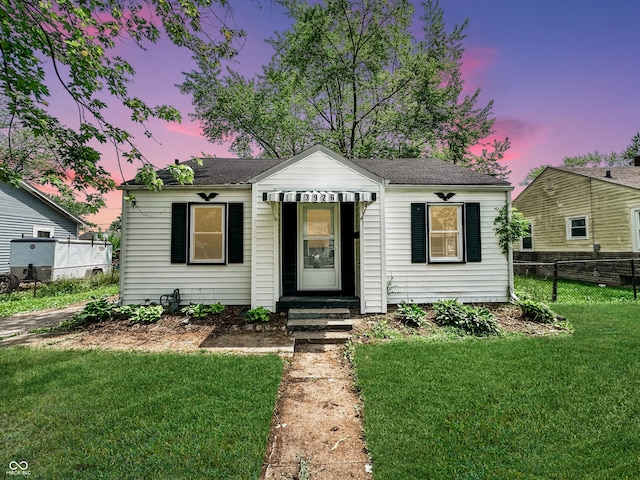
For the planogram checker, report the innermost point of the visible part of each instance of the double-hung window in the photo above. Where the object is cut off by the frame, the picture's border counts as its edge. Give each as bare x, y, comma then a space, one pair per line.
207, 234
577, 227
526, 242
445, 233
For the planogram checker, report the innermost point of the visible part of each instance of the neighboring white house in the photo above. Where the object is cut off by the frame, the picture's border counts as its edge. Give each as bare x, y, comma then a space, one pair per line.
265, 232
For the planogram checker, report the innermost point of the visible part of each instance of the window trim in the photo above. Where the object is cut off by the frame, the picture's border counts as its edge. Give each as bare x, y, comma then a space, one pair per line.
224, 232
40, 228
460, 258
568, 227
635, 229
522, 247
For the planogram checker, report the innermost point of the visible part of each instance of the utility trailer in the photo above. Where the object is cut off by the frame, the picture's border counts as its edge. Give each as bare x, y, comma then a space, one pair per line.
50, 259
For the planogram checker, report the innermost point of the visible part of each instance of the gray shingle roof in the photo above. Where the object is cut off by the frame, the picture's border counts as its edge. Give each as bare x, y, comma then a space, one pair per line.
425, 171
627, 176
407, 171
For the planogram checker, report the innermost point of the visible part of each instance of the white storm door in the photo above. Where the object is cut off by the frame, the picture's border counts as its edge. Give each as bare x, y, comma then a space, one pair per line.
318, 254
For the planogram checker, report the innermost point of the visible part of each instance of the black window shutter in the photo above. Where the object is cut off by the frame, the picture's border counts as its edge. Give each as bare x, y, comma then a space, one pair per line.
235, 237
472, 229
179, 233
418, 233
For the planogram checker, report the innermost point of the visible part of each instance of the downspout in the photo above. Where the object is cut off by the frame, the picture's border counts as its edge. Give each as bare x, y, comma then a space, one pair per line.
511, 291
123, 238
591, 224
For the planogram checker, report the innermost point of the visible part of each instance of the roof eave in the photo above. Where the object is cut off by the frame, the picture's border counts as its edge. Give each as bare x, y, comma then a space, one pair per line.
191, 186
504, 188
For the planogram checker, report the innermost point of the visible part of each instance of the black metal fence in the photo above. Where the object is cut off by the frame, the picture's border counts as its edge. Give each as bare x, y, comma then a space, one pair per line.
608, 280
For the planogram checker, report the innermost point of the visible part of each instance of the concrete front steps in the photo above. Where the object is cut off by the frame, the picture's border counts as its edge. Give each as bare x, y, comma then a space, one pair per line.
320, 325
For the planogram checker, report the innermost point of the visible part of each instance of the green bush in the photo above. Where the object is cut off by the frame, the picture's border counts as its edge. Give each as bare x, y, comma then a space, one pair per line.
97, 311
411, 314
475, 321
93, 312
102, 310
199, 310
258, 314
146, 314
536, 311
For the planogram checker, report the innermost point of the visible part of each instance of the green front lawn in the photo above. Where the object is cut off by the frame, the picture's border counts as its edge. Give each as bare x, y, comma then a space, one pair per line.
58, 294
526, 408
92, 414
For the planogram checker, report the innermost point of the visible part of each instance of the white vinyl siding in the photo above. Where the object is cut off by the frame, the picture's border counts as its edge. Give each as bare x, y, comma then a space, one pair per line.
318, 172
485, 281
265, 288
384, 272
146, 268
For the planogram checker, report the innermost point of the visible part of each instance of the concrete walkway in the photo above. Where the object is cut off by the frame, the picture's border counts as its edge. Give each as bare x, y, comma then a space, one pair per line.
20, 324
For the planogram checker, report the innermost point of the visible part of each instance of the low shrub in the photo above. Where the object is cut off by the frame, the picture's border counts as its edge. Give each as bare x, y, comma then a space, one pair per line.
411, 314
475, 321
97, 311
258, 314
199, 310
536, 311
145, 313
102, 310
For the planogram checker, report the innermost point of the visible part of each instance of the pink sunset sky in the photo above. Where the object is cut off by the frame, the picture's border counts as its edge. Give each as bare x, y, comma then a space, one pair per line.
564, 75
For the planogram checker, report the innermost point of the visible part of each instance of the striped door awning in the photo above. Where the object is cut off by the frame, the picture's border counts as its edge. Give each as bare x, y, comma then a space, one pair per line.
318, 196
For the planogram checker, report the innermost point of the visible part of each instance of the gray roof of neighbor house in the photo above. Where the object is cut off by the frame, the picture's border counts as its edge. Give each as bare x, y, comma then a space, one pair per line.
627, 176
402, 171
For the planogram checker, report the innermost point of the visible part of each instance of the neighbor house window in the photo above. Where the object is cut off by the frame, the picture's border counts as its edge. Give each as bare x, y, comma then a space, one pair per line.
207, 234
635, 224
445, 233
526, 242
42, 232
577, 228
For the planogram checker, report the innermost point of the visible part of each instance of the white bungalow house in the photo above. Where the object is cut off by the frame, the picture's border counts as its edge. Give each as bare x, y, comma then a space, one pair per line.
317, 226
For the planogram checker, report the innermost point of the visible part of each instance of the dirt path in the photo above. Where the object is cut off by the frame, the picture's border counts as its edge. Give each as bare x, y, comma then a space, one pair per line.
317, 428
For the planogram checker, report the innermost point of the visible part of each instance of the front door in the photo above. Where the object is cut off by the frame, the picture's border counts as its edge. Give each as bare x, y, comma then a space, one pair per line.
318, 246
